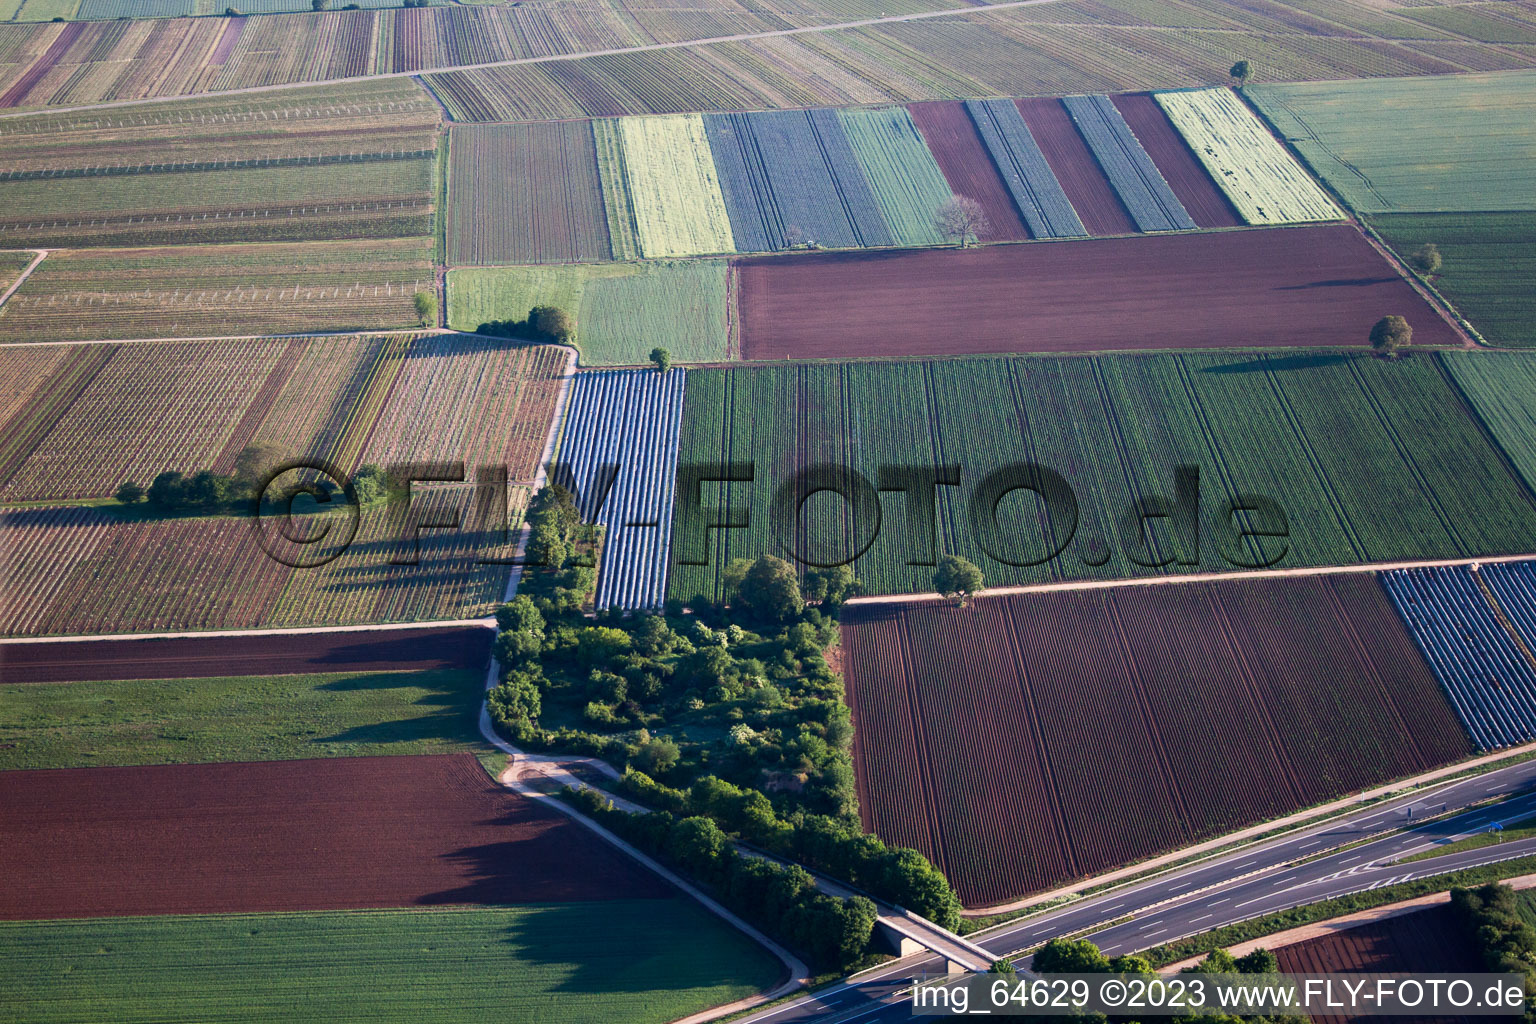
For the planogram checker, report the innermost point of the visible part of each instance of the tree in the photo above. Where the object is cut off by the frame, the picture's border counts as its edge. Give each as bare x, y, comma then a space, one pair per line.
318, 5
1260, 961
662, 358
1426, 259
1128, 963
1241, 72
167, 492
1070, 956
830, 585
371, 483
957, 578
960, 218
1391, 335
912, 882
426, 302
1218, 961
771, 590
657, 756
1004, 966
516, 699
519, 615
129, 492
547, 548
553, 323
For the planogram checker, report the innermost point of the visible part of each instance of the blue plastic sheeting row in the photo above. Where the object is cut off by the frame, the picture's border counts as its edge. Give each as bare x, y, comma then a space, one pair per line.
1514, 585
627, 419
1047, 211
790, 177
1488, 679
1130, 170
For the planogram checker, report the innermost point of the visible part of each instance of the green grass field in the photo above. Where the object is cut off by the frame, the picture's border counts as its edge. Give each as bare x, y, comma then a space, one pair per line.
239, 718
901, 170
1369, 460
622, 310
1522, 829
1415, 145
1499, 386
1490, 263
632, 960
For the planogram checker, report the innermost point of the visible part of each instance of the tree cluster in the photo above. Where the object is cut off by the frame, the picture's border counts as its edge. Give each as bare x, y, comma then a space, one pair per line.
543, 323
833, 934
1491, 913
173, 493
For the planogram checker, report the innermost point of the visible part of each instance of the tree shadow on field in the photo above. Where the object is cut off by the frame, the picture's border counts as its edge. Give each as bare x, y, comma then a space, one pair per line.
1310, 361
1342, 282
451, 709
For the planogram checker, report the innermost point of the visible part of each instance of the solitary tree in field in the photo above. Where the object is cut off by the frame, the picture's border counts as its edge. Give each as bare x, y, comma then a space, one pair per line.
1241, 72
426, 302
957, 578
318, 5
662, 358
961, 219
553, 323
1391, 335
1426, 259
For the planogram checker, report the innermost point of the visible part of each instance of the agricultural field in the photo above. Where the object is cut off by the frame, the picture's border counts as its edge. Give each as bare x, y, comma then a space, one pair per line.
1431, 939
1476, 628
1260, 178
1135, 178
1034, 188
11, 266
1293, 427
374, 650
622, 310
961, 154
1490, 260
790, 178
628, 419
348, 400
1056, 49
1311, 683
1316, 286
1201, 198
679, 210
1498, 386
525, 193
1423, 145
190, 291
640, 958
906, 180
244, 718
1073, 48
1082, 178
329, 834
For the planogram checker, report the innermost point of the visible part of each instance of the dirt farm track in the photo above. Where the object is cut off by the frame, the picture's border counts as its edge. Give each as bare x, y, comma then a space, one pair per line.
345, 833
1322, 286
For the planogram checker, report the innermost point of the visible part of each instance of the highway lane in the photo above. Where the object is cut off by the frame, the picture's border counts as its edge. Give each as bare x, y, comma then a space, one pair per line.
1231, 887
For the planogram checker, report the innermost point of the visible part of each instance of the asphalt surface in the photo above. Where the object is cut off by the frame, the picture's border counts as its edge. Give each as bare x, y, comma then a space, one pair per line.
1253, 881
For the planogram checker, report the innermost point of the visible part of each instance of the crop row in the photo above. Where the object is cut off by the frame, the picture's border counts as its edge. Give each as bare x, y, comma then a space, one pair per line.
1458, 618
1116, 429
1135, 177
1030, 180
1263, 181
1025, 741
619, 444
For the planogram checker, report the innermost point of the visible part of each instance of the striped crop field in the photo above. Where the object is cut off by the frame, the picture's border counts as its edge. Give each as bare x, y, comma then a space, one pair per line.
1038, 195
628, 419
1136, 179
1419, 145
1265, 184
11, 266
1498, 385
83, 419
1297, 428
1477, 628
187, 291
526, 193
679, 210
622, 310
1489, 263
790, 179
901, 172
1117, 694
623, 233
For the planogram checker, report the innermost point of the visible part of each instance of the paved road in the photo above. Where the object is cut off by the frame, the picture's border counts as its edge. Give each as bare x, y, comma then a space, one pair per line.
1250, 882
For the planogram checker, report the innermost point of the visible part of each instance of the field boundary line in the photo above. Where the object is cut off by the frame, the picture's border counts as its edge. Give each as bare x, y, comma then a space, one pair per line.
1301, 820
1199, 577
42, 254
211, 634
548, 58
374, 332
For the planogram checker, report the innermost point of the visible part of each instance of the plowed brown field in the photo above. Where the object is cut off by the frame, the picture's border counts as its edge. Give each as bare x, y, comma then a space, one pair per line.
190, 657
334, 834
1312, 286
